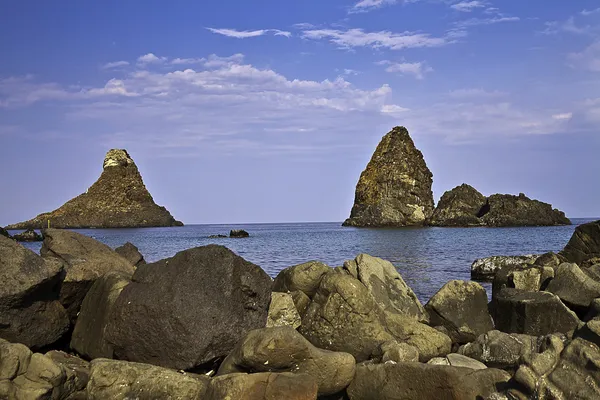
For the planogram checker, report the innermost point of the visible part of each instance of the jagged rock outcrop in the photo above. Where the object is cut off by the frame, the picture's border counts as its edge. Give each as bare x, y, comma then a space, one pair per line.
584, 245
464, 206
118, 199
395, 188
28, 236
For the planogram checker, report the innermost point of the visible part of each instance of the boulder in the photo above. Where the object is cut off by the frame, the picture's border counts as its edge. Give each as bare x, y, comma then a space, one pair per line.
189, 309
575, 288
395, 188
584, 244
239, 233
304, 277
590, 332
4, 232
484, 269
28, 236
520, 311
397, 352
263, 386
461, 307
131, 253
460, 206
343, 316
458, 360
121, 380
423, 382
30, 312
118, 199
89, 336
77, 374
386, 286
85, 260
301, 301
524, 277
283, 349
282, 311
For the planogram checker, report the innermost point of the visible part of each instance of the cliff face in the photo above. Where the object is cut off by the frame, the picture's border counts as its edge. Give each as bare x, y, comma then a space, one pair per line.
118, 199
464, 206
395, 188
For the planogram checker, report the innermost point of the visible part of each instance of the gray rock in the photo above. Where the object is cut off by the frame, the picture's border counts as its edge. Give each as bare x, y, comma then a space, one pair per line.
423, 382
4, 232
89, 336
131, 253
584, 244
189, 309
121, 380
263, 386
484, 269
395, 188
457, 360
239, 233
304, 277
85, 260
509, 210
590, 332
575, 288
398, 352
77, 374
30, 312
28, 236
283, 349
519, 311
461, 307
500, 350
461, 206
282, 311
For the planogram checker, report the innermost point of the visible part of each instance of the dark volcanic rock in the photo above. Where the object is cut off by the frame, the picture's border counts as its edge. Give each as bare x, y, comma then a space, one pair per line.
28, 236
190, 309
118, 199
4, 232
239, 233
584, 244
30, 312
395, 188
131, 253
574, 287
460, 206
85, 261
465, 206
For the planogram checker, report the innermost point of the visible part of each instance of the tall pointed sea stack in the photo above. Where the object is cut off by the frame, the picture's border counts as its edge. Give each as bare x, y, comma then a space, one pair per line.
395, 188
118, 199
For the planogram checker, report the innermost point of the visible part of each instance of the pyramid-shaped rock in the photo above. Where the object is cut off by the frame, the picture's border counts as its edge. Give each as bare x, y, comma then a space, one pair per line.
118, 199
395, 188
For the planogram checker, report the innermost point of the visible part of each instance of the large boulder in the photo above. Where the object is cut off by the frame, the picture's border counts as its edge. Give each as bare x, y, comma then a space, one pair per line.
386, 286
118, 199
461, 206
461, 307
28, 236
423, 382
85, 260
574, 287
131, 253
484, 269
344, 316
521, 311
30, 312
395, 188
304, 277
282, 311
189, 309
283, 349
263, 386
89, 336
584, 244
121, 380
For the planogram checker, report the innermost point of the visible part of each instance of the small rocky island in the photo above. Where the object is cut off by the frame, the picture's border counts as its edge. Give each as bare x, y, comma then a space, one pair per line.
118, 199
395, 188
395, 191
83, 321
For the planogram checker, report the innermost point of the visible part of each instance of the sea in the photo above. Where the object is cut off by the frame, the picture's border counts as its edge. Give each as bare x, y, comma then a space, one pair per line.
426, 257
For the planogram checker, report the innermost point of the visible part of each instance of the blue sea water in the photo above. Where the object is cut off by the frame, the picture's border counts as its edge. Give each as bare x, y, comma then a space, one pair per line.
425, 257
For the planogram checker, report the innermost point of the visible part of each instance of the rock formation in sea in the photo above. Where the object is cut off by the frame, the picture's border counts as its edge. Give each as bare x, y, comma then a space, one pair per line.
465, 206
118, 199
395, 188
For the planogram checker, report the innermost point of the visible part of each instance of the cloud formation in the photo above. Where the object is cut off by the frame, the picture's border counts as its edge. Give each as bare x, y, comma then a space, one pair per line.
249, 34
115, 64
416, 69
468, 6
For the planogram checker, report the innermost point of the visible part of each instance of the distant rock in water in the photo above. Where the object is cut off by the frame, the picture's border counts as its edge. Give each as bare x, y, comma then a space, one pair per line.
395, 188
464, 206
239, 233
118, 199
28, 236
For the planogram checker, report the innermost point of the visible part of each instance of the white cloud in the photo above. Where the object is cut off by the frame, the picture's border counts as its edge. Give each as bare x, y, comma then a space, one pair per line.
150, 58
416, 69
249, 34
115, 64
590, 12
569, 26
367, 5
563, 116
468, 6
588, 59
187, 61
486, 21
382, 39
475, 93
393, 109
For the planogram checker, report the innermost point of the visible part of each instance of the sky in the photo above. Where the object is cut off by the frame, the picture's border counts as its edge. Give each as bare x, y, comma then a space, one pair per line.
267, 111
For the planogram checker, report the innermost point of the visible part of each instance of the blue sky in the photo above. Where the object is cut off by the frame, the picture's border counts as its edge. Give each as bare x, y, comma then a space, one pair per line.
267, 111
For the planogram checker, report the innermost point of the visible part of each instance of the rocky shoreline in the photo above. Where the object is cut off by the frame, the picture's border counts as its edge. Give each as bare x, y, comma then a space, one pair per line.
84, 321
